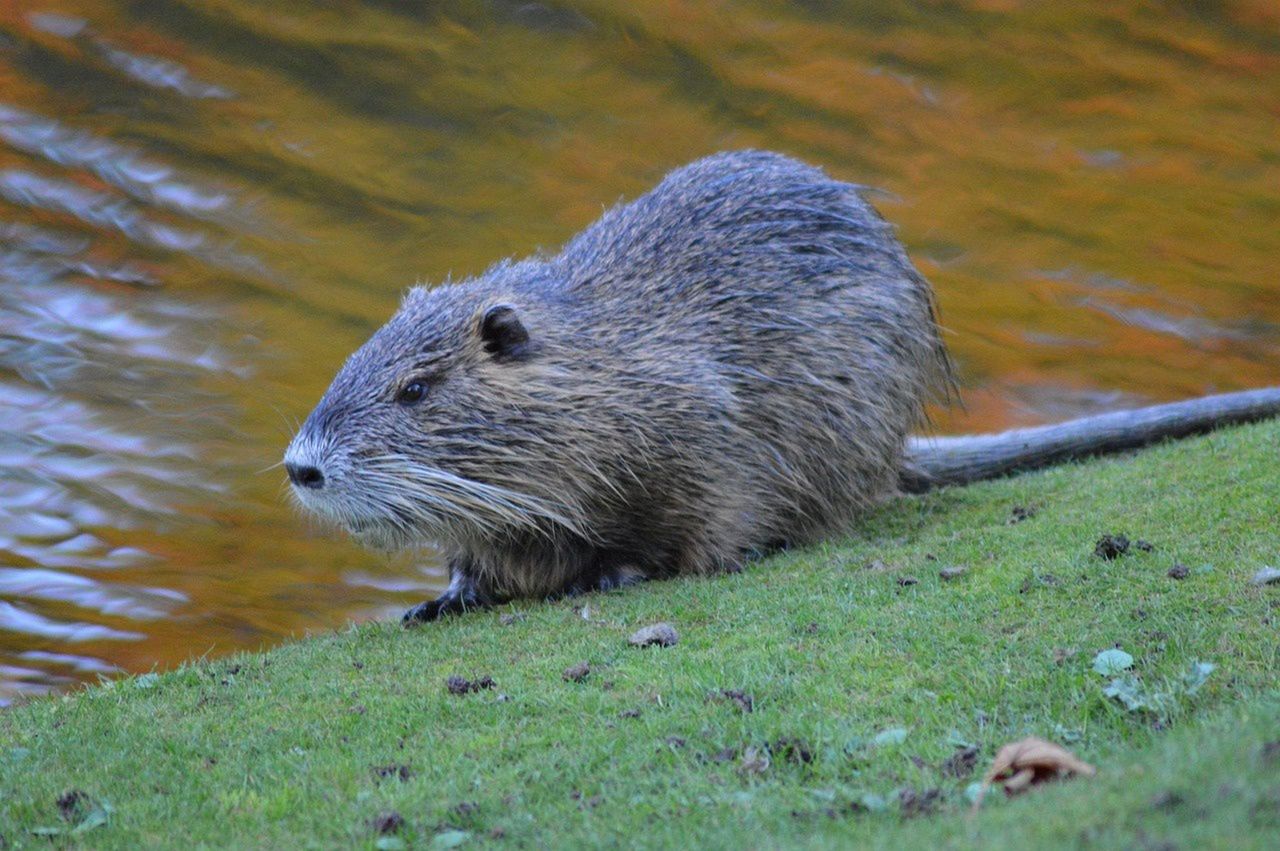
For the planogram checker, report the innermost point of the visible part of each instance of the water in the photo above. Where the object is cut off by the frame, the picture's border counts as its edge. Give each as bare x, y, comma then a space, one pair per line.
204, 206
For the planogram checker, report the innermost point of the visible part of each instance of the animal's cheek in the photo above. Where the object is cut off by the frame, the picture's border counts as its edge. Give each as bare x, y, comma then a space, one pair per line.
420, 437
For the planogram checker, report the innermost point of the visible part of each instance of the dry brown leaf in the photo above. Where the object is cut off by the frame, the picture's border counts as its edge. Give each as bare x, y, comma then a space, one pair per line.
1020, 765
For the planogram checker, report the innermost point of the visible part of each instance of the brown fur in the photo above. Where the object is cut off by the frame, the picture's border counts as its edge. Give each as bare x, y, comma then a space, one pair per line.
728, 364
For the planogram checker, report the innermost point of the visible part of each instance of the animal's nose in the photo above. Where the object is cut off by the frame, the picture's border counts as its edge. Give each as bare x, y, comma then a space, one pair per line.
304, 475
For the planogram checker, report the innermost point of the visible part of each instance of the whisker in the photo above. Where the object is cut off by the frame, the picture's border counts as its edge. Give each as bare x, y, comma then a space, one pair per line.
486, 506
268, 469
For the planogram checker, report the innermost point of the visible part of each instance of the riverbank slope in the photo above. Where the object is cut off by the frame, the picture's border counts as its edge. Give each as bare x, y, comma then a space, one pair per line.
848, 693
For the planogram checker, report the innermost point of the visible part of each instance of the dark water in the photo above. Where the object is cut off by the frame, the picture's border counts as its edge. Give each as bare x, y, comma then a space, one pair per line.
204, 206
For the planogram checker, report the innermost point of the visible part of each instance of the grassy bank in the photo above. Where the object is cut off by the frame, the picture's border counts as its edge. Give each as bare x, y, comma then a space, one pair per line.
856, 677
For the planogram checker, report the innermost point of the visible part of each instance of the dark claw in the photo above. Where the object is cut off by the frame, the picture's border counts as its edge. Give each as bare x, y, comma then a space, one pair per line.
432, 609
461, 597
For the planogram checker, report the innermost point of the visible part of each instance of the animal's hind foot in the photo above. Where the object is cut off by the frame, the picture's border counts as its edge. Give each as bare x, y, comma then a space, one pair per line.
609, 580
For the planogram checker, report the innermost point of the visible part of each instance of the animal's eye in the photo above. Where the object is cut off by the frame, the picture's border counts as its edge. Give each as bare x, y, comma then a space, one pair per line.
411, 393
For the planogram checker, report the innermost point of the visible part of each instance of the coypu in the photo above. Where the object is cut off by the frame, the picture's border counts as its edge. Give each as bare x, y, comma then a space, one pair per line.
729, 364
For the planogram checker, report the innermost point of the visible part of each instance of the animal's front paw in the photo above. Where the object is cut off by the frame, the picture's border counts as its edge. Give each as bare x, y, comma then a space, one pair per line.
463, 593
430, 610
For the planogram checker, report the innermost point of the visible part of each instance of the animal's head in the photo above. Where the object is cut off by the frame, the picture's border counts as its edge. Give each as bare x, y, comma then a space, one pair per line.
430, 431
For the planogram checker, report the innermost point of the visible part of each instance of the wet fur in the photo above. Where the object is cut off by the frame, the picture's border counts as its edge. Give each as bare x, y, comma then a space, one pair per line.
729, 363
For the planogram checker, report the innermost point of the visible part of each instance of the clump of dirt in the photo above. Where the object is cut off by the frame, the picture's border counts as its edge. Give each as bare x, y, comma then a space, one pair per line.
1022, 512
392, 772
961, 764
951, 572
1111, 547
1179, 571
461, 685
740, 698
387, 822
791, 749
512, 617
629, 713
660, 634
577, 673
1144, 546
905, 580
74, 804
913, 803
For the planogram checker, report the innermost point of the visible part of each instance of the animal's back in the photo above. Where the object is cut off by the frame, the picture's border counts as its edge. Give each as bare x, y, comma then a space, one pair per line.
794, 293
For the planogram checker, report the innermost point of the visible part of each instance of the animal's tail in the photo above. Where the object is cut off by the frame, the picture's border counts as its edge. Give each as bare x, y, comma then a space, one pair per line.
935, 461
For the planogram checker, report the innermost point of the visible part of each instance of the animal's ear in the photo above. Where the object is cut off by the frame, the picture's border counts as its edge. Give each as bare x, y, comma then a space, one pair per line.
503, 334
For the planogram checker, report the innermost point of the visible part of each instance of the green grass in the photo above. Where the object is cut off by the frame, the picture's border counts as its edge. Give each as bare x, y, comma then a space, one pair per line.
280, 749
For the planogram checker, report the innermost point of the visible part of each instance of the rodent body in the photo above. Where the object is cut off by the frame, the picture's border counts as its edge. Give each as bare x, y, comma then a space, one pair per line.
730, 363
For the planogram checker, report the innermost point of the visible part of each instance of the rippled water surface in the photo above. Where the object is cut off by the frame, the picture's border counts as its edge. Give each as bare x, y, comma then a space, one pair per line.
205, 205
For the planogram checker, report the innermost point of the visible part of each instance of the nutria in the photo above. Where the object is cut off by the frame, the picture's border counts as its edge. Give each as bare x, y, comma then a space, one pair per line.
729, 364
